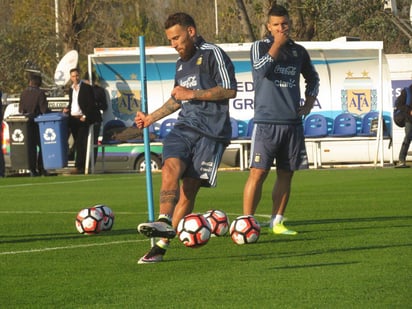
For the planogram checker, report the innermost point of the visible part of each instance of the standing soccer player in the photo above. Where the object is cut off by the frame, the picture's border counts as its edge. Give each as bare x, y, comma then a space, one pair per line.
277, 63
192, 151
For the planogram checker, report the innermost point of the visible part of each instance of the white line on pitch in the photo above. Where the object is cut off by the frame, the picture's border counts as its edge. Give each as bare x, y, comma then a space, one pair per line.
33, 212
71, 247
57, 182
46, 183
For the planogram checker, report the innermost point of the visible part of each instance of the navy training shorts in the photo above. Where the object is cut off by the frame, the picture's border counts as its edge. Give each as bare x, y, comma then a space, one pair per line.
283, 143
201, 154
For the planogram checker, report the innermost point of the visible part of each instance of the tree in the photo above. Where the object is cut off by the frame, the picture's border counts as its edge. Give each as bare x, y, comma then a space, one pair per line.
28, 34
27, 38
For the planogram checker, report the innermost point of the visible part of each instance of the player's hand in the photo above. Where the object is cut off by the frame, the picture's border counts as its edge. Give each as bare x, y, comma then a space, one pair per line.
180, 93
141, 120
305, 109
281, 37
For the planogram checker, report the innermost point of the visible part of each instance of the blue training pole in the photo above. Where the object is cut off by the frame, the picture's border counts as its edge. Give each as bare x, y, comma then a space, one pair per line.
146, 139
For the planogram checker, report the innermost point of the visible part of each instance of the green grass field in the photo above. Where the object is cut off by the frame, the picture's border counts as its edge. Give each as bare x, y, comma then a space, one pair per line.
353, 249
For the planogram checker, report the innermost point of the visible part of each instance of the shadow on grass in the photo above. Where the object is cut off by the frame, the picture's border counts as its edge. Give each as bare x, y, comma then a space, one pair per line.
248, 257
349, 220
314, 265
15, 239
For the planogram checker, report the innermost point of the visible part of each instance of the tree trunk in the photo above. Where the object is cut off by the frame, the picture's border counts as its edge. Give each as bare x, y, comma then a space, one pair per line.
245, 22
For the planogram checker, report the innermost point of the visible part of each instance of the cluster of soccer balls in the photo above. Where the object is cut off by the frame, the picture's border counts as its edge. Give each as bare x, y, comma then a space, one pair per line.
195, 230
94, 219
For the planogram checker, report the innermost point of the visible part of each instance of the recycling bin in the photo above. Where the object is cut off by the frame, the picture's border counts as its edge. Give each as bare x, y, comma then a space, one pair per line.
22, 131
53, 130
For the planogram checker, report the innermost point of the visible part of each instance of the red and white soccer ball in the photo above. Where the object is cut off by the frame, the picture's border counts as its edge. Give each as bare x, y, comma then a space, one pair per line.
244, 230
108, 217
89, 221
218, 220
193, 230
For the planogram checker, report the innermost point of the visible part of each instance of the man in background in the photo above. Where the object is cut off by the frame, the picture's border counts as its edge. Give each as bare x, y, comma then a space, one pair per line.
404, 104
83, 112
33, 102
2, 164
101, 103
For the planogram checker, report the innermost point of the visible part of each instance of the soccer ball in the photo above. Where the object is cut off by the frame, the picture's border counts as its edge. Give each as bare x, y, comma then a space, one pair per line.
108, 217
193, 230
89, 221
244, 230
219, 223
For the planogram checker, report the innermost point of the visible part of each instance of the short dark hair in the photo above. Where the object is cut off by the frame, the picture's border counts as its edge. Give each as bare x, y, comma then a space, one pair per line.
74, 70
35, 80
181, 19
278, 10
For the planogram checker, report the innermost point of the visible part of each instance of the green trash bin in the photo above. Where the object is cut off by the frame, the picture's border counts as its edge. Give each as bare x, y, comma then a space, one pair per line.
22, 140
53, 129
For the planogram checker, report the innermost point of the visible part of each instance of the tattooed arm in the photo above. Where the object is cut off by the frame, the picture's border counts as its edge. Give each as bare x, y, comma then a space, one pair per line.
170, 106
212, 94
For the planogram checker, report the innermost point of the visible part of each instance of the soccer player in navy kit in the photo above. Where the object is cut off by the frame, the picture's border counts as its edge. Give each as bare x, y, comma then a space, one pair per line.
192, 151
277, 63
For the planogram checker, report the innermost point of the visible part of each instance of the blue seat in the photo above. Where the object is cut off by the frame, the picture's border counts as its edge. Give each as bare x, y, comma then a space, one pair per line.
242, 129
166, 126
250, 125
316, 125
235, 128
367, 120
387, 126
344, 125
115, 123
110, 125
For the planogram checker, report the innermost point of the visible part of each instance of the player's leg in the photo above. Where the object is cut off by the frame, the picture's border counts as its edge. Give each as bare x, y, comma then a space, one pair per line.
175, 155
280, 198
262, 153
291, 157
253, 190
169, 194
281, 191
188, 191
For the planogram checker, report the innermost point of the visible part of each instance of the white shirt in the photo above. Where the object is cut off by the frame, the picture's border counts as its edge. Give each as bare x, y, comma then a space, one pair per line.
75, 108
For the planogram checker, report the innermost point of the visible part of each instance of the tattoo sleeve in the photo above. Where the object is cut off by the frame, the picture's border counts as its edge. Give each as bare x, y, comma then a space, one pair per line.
169, 197
169, 107
214, 94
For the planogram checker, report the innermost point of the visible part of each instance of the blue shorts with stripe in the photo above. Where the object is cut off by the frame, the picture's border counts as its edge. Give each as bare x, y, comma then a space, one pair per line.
201, 154
283, 143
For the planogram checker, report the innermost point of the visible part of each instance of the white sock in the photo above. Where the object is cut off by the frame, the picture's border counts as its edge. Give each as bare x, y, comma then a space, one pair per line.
165, 217
275, 220
162, 244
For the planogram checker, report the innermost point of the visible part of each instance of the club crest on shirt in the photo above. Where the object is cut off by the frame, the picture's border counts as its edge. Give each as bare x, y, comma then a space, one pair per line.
199, 60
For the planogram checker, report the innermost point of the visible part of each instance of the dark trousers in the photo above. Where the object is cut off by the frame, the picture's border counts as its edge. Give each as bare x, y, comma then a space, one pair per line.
35, 154
80, 132
406, 142
2, 163
96, 132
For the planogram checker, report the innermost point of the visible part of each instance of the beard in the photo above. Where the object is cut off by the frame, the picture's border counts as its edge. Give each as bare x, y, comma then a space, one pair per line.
187, 51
